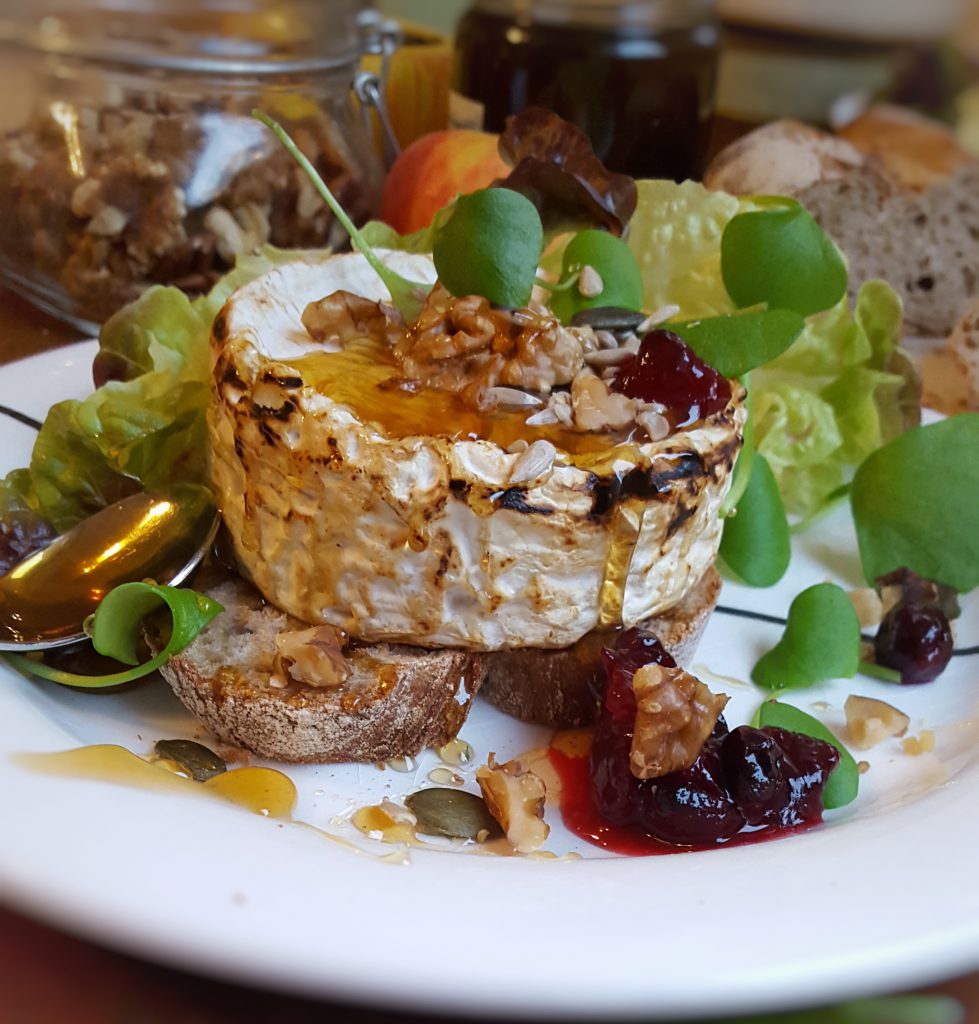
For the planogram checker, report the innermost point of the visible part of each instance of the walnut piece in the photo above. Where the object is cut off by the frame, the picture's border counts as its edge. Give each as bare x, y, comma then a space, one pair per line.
467, 345
675, 713
343, 317
515, 797
596, 408
870, 721
311, 656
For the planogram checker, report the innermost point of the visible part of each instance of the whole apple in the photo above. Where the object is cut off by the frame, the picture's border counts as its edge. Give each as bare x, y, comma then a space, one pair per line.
435, 169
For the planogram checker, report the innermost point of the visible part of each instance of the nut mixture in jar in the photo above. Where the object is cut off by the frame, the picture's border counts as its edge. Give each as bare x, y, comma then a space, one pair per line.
101, 200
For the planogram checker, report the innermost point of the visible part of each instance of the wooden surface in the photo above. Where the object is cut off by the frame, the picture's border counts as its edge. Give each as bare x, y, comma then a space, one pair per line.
50, 978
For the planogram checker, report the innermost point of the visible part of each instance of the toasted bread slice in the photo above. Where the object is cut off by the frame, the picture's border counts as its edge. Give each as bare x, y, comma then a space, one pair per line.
557, 688
395, 702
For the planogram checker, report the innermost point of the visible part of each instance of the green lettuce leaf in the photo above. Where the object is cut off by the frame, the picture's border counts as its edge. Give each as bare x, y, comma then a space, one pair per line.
145, 427
831, 399
797, 432
840, 391
675, 235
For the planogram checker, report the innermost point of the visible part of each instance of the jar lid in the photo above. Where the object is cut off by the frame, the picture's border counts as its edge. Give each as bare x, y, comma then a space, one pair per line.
873, 20
648, 14
211, 36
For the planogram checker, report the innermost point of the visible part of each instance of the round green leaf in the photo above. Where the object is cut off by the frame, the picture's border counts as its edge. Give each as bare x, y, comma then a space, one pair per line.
612, 259
490, 246
779, 256
916, 504
821, 641
843, 783
115, 632
756, 543
733, 345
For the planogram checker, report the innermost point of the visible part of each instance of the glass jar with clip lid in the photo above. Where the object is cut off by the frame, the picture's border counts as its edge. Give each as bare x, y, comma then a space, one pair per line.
136, 160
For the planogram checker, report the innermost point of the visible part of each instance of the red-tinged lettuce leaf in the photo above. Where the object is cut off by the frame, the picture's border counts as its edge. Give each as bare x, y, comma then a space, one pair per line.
555, 167
23, 530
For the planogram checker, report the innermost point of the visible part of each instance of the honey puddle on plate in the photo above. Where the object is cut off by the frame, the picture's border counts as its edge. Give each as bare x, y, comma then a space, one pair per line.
262, 791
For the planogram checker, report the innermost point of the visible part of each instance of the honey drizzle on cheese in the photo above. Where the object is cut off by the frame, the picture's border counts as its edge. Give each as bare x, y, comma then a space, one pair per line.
364, 377
624, 526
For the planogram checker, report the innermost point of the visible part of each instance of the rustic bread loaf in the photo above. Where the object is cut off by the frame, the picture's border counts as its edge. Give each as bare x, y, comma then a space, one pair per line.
557, 688
923, 238
916, 151
396, 700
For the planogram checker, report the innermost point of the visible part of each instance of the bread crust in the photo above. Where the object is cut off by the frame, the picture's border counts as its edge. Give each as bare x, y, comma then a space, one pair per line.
557, 688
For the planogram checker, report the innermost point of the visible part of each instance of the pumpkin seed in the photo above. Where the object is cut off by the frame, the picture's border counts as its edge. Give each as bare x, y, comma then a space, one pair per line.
608, 318
201, 764
452, 813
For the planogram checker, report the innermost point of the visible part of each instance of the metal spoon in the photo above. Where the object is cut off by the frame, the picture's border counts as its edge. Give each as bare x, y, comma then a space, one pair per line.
45, 600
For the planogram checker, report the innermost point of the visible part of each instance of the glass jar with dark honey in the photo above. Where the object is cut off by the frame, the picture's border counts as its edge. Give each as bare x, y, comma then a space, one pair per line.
637, 78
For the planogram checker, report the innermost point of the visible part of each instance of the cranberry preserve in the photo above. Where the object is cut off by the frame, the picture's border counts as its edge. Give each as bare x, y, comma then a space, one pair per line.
637, 78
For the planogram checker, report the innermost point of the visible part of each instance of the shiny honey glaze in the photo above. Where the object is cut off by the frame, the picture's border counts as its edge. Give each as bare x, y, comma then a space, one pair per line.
262, 791
365, 376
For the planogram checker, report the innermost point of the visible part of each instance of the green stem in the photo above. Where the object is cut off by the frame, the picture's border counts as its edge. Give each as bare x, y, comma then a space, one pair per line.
408, 296
561, 286
881, 672
54, 675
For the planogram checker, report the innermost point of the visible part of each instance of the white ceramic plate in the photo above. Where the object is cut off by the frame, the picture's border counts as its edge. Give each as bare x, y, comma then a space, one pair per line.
882, 897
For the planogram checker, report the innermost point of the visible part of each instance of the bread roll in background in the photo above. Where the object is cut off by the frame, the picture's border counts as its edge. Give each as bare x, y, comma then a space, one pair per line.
897, 194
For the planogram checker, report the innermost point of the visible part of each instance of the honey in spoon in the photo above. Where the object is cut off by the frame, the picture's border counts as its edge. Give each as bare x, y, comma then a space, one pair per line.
45, 600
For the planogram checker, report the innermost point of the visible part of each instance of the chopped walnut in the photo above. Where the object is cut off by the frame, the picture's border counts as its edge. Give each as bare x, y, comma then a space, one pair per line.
869, 721
596, 408
868, 606
343, 317
654, 423
675, 713
311, 656
515, 797
467, 345
918, 745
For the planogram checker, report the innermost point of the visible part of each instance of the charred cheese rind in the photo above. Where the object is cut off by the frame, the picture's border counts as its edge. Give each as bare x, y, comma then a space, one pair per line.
421, 539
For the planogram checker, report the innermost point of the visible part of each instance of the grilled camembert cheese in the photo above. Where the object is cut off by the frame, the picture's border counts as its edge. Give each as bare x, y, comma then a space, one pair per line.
402, 515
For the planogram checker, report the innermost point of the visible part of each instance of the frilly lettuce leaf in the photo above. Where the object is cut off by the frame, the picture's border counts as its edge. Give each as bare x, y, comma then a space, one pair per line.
145, 426
840, 391
824, 405
797, 432
675, 234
